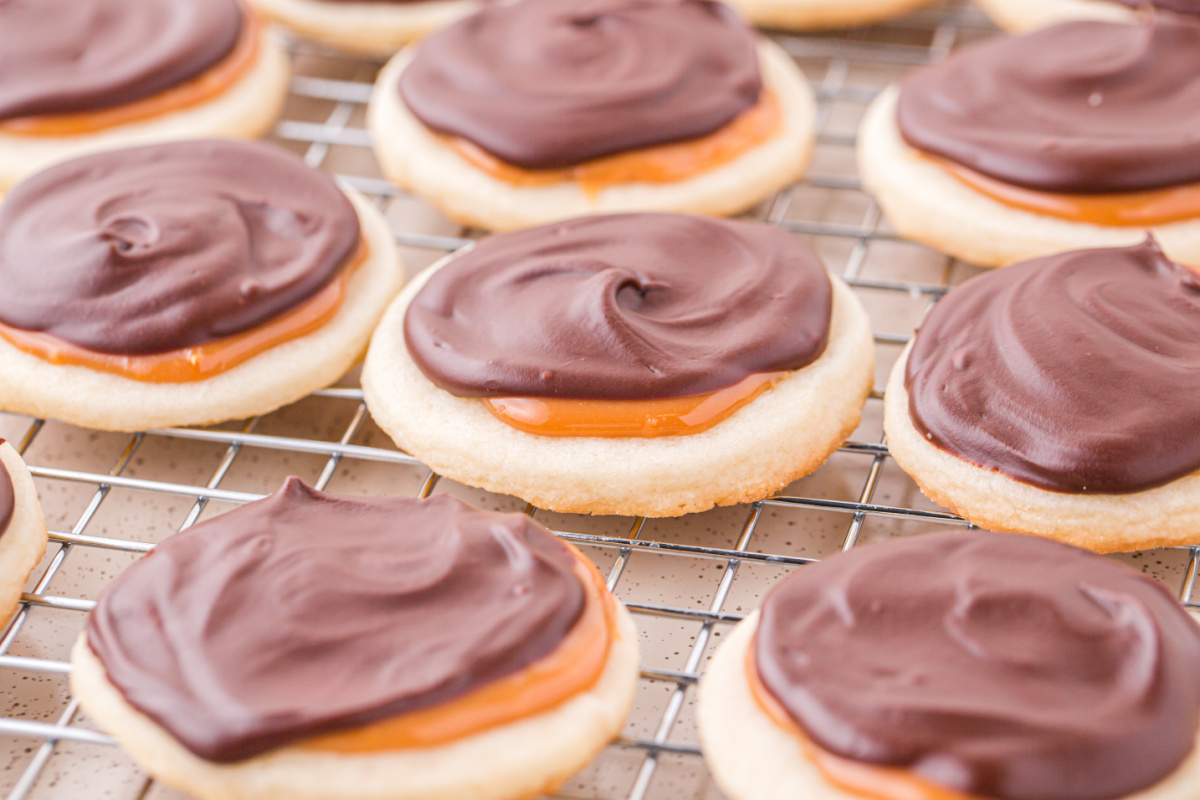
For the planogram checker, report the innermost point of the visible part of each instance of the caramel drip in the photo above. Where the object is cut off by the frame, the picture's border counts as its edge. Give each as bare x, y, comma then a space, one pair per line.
664, 163
1132, 209
205, 86
669, 416
856, 777
202, 361
574, 666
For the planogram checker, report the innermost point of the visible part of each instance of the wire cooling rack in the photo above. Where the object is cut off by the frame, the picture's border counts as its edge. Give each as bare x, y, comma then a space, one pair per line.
110, 497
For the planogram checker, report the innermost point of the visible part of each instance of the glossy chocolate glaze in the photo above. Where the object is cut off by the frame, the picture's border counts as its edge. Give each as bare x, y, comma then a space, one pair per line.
999, 666
8, 499
156, 248
1083, 107
1078, 372
621, 307
66, 56
543, 83
1177, 6
306, 613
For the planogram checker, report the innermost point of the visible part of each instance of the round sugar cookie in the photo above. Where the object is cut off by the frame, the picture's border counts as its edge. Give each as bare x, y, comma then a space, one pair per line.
242, 105
805, 15
372, 28
899, 680
1050, 398
315, 356
279, 730
426, 162
1023, 15
22, 529
780, 435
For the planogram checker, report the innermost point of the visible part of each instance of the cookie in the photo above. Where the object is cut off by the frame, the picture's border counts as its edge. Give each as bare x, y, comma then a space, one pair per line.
428, 650
805, 15
77, 77
960, 664
184, 284
613, 105
365, 27
1078, 135
1024, 15
640, 364
1055, 398
22, 529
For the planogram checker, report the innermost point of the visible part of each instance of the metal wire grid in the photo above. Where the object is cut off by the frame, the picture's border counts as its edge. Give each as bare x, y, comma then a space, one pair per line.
935, 33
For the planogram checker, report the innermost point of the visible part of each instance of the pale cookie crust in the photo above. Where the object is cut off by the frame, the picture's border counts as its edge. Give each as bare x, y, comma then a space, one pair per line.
416, 158
24, 540
521, 759
783, 434
245, 110
822, 14
369, 29
1106, 523
924, 202
1017, 16
752, 758
273, 378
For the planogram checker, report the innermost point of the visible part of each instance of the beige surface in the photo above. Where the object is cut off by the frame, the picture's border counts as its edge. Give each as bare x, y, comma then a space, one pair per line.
1024, 15
246, 109
23, 540
418, 159
370, 29
273, 378
755, 759
510, 762
926, 203
160, 473
822, 14
781, 435
1164, 515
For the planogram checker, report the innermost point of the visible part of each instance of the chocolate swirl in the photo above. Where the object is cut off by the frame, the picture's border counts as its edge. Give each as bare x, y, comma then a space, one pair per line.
227, 635
66, 56
628, 306
999, 666
158, 248
1081, 107
1076, 373
542, 83
1177, 6
8, 499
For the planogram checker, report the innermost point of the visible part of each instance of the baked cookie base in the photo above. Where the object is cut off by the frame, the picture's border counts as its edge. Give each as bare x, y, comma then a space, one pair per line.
924, 202
245, 110
799, 15
24, 540
368, 29
273, 378
1162, 516
1017, 16
522, 759
783, 434
752, 758
414, 157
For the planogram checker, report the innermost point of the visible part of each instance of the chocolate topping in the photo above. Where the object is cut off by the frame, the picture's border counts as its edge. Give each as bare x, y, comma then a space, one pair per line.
65, 56
306, 613
8, 500
1077, 372
622, 307
542, 83
1178, 6
999, 666
1083, 107
157, 248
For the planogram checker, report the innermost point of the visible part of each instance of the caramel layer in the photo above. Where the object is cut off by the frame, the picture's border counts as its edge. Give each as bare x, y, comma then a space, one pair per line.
671, 416
859, 778
202, 361
1134, 209
205, 86
574, 666
666, 163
